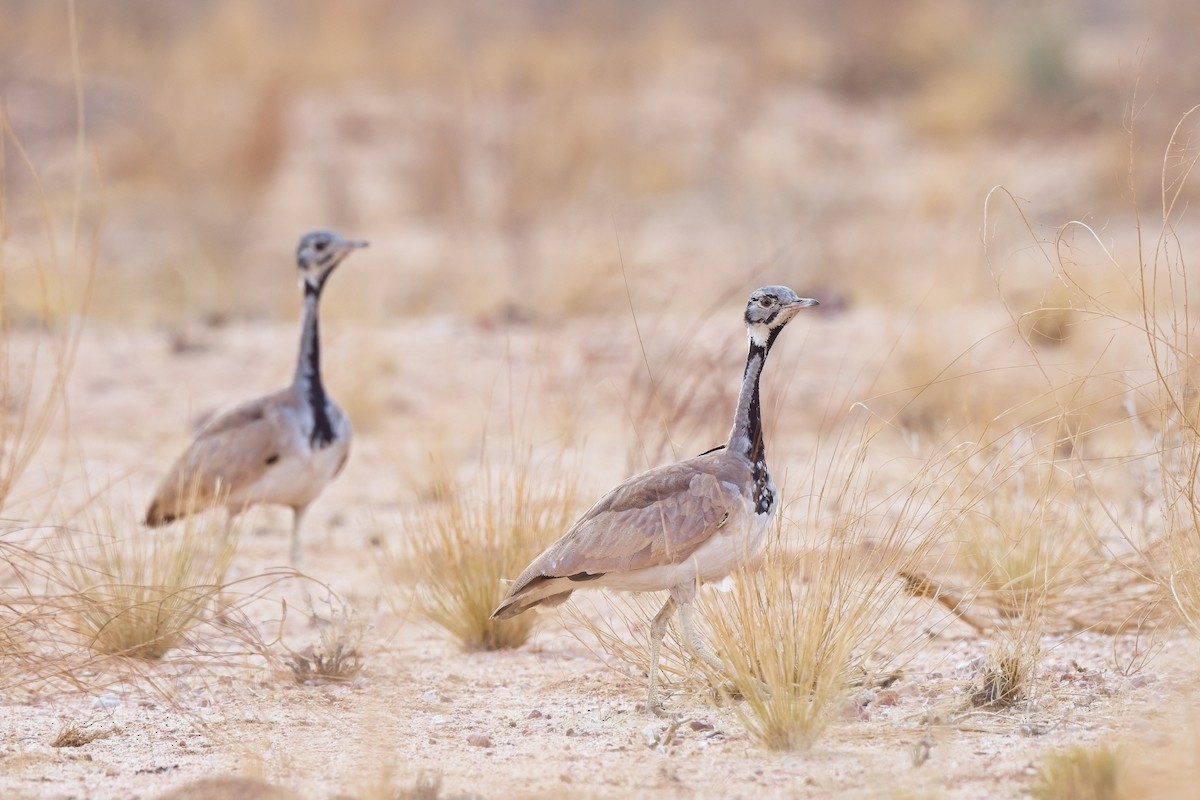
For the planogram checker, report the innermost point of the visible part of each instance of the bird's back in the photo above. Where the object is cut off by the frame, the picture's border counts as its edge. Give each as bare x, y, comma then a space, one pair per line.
644, 533
256, 451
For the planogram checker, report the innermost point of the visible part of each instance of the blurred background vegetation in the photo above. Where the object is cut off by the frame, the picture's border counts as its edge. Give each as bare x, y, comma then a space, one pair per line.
508, 159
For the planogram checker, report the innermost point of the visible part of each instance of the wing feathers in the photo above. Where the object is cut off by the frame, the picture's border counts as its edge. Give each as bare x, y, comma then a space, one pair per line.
230, 452
656, 518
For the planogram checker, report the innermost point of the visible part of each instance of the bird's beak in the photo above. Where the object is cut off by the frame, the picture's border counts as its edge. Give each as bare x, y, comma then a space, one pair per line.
354, 244
803, 302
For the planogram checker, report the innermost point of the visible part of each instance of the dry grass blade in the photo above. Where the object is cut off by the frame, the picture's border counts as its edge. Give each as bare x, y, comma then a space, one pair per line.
139, 594
482, 535
35, 366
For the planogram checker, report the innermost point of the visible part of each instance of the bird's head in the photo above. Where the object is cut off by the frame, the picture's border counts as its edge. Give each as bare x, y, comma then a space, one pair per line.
318, 255
769, 309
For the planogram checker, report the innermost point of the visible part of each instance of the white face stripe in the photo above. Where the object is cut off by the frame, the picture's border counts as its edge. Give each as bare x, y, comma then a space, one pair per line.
758, 333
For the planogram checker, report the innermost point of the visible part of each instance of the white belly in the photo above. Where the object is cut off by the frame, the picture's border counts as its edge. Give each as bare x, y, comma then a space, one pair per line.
300, 473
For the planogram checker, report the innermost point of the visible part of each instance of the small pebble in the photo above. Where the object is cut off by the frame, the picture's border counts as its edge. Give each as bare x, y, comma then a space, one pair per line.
535, 714
106, 700
430, 696
887, 697
479, 740
700, 725
650, 734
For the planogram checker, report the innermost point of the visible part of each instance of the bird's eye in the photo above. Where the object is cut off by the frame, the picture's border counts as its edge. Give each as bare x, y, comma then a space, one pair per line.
321, 245
767, 301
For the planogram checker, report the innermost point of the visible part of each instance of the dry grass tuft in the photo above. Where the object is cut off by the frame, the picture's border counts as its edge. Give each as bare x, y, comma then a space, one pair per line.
139, 594
1025, 538
71, 735
1011, 666
795, 636
338, 656
480, 535
790, 681
1084, 773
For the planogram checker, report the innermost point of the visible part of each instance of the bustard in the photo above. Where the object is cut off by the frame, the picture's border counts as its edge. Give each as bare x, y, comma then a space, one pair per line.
281, 448
675, 525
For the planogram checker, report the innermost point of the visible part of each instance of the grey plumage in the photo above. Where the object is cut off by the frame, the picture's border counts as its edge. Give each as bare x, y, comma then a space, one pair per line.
674, 525
282, 448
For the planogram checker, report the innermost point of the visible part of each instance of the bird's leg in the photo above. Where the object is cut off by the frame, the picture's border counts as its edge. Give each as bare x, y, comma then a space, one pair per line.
297, 518
658, 629
297, 557
696, 644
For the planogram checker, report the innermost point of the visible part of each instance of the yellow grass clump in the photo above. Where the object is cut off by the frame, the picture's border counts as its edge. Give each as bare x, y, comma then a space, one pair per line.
1084, 773
476, 538
795, 636
139, 594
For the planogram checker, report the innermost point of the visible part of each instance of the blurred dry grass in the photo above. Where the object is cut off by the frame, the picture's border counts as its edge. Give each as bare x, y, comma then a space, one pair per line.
139, 593
511, 156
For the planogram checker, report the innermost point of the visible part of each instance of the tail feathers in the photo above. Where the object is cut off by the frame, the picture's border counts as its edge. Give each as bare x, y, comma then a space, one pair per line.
156, 515
540, 592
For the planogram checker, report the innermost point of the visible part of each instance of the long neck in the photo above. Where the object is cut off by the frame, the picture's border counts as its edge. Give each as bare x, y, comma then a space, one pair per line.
746, 437
307, 381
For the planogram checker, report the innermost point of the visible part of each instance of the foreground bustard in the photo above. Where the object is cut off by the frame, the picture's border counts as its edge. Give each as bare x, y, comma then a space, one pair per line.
282, 448
675, 525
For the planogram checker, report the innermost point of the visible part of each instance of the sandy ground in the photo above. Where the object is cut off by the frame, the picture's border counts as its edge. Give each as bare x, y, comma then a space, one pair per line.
550, 719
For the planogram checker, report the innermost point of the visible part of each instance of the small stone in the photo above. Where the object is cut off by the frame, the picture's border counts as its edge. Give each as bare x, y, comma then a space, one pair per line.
479, 740
651, 734
106, 700
535, 714
431, 696
571, 732
887, 697
700, 725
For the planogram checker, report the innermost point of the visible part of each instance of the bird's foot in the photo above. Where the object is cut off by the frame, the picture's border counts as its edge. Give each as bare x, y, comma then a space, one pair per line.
659, 710
655, 705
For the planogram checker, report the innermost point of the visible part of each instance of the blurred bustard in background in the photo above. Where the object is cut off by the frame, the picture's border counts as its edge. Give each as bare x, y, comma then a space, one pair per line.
675, 525
281, 448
